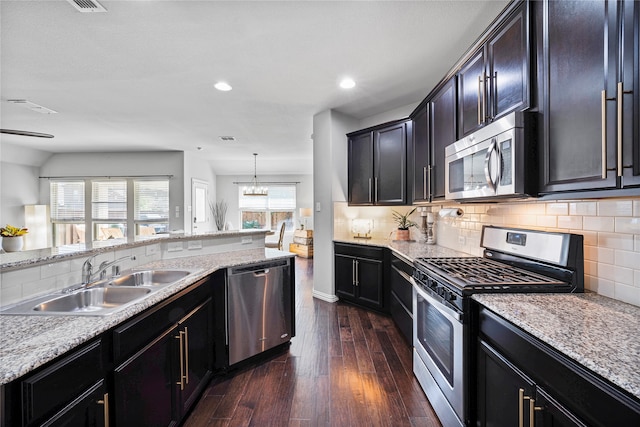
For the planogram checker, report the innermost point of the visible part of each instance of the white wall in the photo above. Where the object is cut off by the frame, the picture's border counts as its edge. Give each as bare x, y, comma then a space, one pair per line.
197, 168
19, 182
329, 185
158, 163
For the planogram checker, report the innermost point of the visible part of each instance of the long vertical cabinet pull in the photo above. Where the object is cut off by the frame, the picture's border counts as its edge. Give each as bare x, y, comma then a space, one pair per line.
105, 408
532, 411
186, 354
603, 110
370, 198
480, 99
357, 275
353, 272
521, 407
375, 192
619, 94
180, 338
484, 97
424, 183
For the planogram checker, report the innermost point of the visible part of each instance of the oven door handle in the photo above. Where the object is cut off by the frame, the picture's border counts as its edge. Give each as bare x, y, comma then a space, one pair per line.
446, 311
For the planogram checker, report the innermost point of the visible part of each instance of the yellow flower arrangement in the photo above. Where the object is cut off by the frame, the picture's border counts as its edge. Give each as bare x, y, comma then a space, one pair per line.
11, 231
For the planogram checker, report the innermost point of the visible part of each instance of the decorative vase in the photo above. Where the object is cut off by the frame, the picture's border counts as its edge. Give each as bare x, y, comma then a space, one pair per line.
12, 244
403, 234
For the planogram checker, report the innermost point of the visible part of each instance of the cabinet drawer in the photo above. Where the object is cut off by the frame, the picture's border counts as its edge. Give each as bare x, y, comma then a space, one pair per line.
54, 387
137, 333
400, 284
402, 318
362, 251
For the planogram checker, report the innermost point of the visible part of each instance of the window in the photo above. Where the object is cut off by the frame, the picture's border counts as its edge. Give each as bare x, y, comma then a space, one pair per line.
119, 208
269, 211
67, 212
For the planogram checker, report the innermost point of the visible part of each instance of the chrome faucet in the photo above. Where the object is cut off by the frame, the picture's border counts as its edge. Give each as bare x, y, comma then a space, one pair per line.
87, 268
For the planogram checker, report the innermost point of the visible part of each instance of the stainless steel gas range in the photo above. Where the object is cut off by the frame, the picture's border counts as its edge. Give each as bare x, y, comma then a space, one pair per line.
514, 260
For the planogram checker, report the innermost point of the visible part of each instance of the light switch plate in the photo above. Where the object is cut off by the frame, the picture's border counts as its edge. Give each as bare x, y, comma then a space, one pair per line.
247, 240
174, 247
194, 244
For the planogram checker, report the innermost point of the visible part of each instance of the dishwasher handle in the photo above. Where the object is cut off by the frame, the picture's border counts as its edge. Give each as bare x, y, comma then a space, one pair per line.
261, 273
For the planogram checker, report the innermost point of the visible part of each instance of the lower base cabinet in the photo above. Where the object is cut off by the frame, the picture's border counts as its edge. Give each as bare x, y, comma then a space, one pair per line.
401, 302
160, 383
360, 275
524, 382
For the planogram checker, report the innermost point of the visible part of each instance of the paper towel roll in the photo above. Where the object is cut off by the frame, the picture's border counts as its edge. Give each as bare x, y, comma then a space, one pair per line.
450, 213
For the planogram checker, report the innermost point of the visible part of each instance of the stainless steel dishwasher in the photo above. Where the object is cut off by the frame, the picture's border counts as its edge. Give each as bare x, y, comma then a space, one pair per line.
260, 309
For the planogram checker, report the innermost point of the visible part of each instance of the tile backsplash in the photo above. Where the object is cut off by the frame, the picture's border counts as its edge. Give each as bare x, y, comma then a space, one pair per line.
611, 230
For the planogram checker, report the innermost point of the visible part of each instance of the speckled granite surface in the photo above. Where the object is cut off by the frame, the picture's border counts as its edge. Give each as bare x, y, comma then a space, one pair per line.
13, 260
598, 332
410, 250
27, 342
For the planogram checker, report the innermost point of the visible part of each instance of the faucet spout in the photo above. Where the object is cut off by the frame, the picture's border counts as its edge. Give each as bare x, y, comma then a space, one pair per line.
87, 268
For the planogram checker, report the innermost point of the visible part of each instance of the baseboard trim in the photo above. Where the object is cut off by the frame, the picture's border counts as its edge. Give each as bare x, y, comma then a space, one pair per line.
324, 297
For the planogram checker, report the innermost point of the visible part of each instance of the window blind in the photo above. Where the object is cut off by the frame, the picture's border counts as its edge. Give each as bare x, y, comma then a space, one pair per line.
151, 200
67, 200
109, 200
280, 197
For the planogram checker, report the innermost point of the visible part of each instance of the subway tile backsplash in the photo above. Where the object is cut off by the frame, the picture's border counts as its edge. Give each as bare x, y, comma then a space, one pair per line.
611, 230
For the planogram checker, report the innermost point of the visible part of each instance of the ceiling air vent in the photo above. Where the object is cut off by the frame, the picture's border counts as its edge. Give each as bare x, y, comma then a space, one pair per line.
227, 138
87, 5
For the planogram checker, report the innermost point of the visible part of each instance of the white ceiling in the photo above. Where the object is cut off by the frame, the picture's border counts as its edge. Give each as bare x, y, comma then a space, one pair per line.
140, 77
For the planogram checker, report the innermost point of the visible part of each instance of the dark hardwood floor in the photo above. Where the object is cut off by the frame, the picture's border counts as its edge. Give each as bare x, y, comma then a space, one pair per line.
345, 367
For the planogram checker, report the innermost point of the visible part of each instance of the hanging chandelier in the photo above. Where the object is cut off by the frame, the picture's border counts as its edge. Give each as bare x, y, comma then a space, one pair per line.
255, 189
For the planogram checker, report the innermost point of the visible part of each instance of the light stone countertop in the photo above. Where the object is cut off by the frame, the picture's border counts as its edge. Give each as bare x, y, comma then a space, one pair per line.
27, 342
600, 333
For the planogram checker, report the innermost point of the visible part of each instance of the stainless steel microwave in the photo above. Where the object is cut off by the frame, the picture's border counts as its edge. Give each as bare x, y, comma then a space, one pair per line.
497, 161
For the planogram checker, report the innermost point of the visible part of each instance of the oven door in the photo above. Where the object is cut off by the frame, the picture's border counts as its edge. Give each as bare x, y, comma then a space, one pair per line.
438, 339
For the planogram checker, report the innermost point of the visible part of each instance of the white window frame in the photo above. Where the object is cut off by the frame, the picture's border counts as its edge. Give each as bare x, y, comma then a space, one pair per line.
265, 205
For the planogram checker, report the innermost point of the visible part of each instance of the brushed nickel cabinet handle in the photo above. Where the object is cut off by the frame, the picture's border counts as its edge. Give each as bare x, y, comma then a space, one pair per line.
521, 407
357, 273
370, 197
619, 101
186, 352
479, 99
105, 408
353, 272
429, 195
484, 97
532, 411
424, 183
180, 339
603, 109
375, 192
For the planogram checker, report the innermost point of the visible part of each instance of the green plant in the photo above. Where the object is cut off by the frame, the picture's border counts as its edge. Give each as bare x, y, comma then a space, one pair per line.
11, 231
403, 221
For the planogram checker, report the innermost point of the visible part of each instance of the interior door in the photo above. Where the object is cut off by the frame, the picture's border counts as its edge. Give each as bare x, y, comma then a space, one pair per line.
199, 205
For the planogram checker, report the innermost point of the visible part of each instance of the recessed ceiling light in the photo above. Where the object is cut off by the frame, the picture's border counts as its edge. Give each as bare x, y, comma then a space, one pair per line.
347, 83
223, 86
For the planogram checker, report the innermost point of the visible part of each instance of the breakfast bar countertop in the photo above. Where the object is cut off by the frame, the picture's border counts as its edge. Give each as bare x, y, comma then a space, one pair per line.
600, 333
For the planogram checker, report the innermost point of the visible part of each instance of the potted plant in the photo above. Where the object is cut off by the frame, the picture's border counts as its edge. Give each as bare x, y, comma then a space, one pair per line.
12, 238
404, 224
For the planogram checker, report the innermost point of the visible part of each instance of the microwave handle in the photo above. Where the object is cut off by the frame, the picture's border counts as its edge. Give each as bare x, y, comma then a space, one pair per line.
487, 161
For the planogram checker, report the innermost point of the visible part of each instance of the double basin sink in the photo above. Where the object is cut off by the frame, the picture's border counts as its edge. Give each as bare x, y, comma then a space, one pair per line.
102, 297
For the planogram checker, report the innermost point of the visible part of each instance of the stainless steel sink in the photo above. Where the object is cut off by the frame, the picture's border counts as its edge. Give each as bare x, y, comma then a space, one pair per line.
102, 297
92, 300
151, 278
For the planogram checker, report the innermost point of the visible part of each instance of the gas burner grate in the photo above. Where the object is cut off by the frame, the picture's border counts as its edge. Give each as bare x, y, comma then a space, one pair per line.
482, 271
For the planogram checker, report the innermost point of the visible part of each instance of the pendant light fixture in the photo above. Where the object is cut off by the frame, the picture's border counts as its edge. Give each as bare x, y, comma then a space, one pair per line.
255, 189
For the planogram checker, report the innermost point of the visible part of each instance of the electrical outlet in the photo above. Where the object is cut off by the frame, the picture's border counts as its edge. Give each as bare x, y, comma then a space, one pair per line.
194, 244
152, 250
462, 240
174, 247
247, 240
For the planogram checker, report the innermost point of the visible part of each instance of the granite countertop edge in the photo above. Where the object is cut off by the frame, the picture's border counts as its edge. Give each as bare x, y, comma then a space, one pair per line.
28, 342
599, 333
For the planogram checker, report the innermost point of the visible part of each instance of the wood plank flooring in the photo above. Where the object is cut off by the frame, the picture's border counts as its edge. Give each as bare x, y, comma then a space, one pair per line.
345, 367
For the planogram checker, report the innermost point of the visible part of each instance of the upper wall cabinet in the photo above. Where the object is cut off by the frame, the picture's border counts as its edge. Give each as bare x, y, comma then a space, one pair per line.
589, 92
495, 79
420, 155
378, 165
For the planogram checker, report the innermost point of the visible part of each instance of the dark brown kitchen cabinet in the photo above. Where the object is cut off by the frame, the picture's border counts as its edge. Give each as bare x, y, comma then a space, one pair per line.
360, 275
495, 79
158, 384
523, 381
589, 133
377, 162
70, 391
401, 302
443, 111
420, 155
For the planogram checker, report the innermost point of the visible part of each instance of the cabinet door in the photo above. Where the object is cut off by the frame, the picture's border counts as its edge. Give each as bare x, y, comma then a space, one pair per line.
421, 158
361, 169
390, 163
630, 86
502, 390
369, 286
443, 133
196, 352
345, 276
472, 89
144, 386
508, 53
91, 409
549, 413
579, 51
